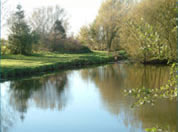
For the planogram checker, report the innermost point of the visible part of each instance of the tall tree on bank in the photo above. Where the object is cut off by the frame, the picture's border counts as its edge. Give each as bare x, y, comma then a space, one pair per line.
155, 21
20, 37
107, 21
57, 35
103, 33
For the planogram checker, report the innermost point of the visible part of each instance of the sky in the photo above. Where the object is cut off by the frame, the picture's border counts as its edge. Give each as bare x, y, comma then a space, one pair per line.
79, 12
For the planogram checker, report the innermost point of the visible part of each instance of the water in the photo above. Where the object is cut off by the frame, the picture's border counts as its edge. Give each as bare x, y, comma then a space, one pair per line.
86, 100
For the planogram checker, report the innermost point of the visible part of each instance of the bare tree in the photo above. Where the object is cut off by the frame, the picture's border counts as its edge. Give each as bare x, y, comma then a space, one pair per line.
43, 19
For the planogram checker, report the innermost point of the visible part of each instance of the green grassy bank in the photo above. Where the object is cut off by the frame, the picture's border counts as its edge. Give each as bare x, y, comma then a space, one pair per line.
19, 65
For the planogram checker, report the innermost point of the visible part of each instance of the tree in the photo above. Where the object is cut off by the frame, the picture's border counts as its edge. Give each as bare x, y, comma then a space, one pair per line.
107, 21
47, 21
160, 15
59, 30
57, 36
83, 35
20, 37
104, 31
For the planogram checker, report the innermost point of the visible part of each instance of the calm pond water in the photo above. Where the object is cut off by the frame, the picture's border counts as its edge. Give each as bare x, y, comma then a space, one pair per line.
86, 100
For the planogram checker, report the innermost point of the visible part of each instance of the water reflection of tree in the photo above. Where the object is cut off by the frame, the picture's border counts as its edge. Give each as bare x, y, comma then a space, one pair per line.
52, 95
8, 116
21, 91
113, 79
46, 92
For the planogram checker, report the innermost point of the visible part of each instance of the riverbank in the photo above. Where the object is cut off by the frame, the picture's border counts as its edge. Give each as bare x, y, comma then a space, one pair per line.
13, 66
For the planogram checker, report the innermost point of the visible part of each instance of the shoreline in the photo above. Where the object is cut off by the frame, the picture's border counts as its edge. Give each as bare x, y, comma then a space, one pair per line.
58, 62
47, 73
89, 60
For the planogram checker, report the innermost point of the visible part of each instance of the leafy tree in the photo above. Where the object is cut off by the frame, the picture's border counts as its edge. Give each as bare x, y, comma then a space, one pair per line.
4, 47
104, 31
108, 28
149, 41
20, 37
159, 20
84, 35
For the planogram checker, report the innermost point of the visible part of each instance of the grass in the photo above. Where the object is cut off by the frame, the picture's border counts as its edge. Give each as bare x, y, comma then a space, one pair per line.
19, 65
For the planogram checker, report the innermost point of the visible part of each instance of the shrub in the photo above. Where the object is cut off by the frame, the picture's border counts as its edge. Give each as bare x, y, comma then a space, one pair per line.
122, 52
5, 49
69, 45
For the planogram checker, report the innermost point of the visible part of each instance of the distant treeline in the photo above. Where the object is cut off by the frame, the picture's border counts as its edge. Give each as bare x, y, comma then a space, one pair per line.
145, 29
45, 30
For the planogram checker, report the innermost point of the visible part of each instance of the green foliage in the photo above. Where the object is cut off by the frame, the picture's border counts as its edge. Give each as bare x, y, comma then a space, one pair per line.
20, 39
150, 44
84, 36
159, 129
145, 95
122, 52
152, 130
145, 29
102, 33
4, 47
149, 31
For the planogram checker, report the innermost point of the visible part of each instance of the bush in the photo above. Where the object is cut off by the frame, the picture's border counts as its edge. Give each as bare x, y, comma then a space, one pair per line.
122, 52
69, 45
5, 49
